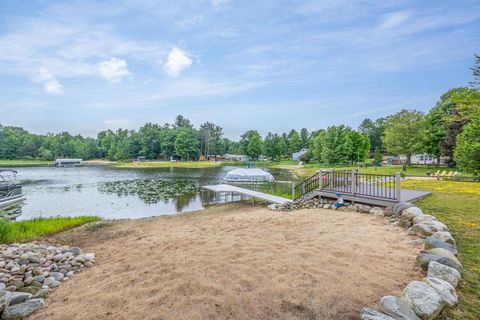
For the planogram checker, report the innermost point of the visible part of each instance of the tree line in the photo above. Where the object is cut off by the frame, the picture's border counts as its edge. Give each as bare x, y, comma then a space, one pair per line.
451, 129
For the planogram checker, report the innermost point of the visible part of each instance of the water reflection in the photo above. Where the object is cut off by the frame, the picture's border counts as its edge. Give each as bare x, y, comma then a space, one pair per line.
124, 193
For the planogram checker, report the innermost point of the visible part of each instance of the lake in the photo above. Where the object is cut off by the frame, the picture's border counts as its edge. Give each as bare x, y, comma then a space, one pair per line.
117, 193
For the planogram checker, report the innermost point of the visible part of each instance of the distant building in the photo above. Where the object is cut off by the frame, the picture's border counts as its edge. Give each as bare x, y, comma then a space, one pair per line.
296, 156
424, 158
236, 157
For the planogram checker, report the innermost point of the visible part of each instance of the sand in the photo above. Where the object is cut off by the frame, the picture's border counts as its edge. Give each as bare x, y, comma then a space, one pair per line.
236, 262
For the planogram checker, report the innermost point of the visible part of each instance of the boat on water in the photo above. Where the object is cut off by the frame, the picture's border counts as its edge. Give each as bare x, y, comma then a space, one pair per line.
10, 192
248, 175
67, 162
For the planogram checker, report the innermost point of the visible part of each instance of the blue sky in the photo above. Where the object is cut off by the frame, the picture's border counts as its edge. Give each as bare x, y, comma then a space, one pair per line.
85, 66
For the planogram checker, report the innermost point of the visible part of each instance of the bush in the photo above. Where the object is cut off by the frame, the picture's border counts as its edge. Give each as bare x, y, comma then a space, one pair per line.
306, 157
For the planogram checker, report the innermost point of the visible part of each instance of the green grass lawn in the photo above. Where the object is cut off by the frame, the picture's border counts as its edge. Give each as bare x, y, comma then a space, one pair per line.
168, 164
20, 231
457, 204
24, 163
312, 168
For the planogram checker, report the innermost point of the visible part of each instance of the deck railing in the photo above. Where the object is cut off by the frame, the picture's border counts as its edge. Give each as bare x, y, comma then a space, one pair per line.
378, 186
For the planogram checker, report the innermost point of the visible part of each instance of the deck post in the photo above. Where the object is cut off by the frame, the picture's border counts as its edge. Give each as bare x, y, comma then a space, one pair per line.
354, 182
293, 190
397, 186
320, 179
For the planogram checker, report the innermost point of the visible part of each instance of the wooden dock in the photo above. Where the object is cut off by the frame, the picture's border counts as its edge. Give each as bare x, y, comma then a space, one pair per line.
226, 188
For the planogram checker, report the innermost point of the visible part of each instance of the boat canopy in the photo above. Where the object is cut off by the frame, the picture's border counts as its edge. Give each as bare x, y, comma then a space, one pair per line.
248, 175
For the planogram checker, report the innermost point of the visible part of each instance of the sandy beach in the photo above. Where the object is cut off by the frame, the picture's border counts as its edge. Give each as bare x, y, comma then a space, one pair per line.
235, 262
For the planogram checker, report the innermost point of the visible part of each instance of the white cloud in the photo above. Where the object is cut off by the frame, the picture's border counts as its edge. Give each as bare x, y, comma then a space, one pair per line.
53, 87
113, 70
395, 19
177, 61
50, 84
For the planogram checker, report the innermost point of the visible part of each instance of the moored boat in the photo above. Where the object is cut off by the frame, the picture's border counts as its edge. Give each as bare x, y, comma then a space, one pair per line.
10, 192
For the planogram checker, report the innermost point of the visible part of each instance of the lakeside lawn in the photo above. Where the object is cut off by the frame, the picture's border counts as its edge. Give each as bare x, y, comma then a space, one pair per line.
24, 163
20, 231
457, 204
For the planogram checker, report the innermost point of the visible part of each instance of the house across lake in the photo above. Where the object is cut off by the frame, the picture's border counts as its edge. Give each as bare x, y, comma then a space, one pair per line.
67, 163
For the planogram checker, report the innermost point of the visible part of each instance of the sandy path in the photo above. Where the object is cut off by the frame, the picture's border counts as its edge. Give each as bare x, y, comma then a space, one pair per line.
236, 262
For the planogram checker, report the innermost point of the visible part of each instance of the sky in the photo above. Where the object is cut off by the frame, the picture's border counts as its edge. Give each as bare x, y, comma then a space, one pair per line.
86, 66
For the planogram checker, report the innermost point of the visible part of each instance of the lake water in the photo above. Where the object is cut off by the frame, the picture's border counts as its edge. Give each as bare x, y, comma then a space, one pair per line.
115, 193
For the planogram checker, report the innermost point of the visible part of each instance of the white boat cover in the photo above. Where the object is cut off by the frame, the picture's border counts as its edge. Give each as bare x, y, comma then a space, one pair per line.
248, 175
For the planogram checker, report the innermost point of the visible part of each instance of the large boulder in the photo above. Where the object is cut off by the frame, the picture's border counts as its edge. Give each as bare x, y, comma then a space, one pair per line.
397, 308
412, 212
17, 297
444, 253
431, 243
399, 207
444, 289
444, 236
423, 299
370, 314
441, 271
22, 309
423, 260
427, 228
425, 217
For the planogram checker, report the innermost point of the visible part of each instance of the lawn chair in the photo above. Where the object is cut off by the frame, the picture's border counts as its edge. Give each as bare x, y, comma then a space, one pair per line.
437, 173
450, 174
443, 174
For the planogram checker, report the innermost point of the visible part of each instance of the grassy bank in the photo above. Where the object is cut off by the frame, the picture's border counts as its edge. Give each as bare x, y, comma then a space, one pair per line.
167, 164
311, 169
24, 163
20, 231
457, 205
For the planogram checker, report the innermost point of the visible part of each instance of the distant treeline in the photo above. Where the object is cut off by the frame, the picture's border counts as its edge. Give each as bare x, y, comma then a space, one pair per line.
450, 129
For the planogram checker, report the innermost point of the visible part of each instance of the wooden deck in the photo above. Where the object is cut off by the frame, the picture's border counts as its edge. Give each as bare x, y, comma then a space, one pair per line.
226, 188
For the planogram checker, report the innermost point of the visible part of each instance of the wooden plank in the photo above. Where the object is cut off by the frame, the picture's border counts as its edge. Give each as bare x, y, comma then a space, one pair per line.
255, 194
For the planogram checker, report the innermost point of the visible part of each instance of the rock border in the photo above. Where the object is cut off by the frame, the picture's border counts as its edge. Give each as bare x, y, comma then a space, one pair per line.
423, 299
30, 271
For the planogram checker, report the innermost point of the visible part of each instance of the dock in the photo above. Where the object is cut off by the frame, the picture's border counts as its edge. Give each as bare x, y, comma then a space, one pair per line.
226, 188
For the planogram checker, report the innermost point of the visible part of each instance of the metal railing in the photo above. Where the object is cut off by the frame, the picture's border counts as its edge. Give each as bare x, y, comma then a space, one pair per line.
352, 183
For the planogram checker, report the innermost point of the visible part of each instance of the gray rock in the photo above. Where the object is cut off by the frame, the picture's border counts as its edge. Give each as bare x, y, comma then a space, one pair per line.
3, 300
412, 212
443, 253
427, 228
431, 243
17, 297
377, 211
43, 293
22, 309
388, 211
58, 257
58, 276
444, 236
425, 217
444, 272
444, 289
423, 260
39, 279
423, 299
49, 281
34, 258
396, 308
55, 284
2, 286
399, 207
370, 314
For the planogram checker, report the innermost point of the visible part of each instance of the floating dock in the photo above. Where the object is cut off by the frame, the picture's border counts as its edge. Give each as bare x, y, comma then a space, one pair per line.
226, 188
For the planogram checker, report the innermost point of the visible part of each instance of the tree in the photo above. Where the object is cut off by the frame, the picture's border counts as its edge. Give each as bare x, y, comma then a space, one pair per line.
304, 138
467, 151
374, 131
293, 141
475, 83
377, 157
360, 146
246, 138
254, 148
273, 146
446, 120
404, 133
210, 137
334, 146
186, 143
182, 122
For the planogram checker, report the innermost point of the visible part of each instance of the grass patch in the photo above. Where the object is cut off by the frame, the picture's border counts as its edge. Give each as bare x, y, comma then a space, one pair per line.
168, 164
20, 231
457, 205
24, 163
311, 168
